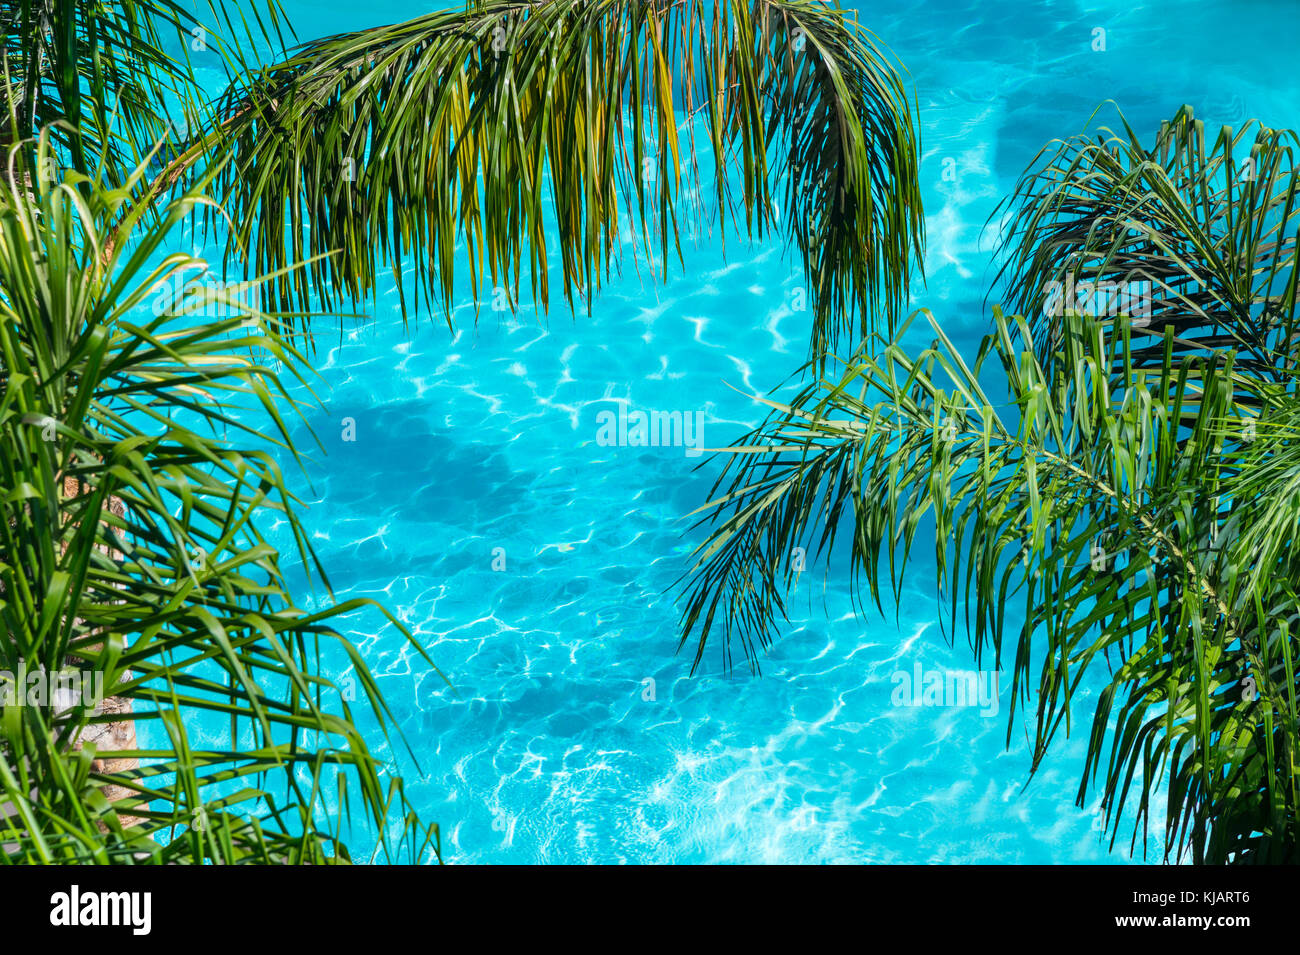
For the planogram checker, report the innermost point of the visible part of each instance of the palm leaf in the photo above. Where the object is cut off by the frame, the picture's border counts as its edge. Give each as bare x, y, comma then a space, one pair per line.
130, 549
108, 80
1135, 503
1190, 234
490, 131
1092, 509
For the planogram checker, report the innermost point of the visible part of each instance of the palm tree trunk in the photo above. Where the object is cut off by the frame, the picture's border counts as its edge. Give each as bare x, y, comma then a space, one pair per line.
117, 734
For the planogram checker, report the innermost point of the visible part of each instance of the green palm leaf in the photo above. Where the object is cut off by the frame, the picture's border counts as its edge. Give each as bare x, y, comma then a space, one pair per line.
109, 80
130, 548
1133, 509
1094, 512
1193, 234
508, 124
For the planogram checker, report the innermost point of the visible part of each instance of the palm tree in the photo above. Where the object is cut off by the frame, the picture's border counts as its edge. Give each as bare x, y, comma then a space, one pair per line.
1136, 498
131, 552
131, 545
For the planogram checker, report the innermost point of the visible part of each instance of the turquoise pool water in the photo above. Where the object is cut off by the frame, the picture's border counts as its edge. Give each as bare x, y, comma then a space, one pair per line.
483, 443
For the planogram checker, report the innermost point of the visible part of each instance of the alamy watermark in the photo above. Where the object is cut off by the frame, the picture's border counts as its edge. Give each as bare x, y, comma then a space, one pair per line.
1098, 298
60, 689
947, 688
73, 908
651, 429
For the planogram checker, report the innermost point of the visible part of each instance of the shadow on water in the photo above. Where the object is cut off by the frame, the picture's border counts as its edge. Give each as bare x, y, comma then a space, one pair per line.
393, 460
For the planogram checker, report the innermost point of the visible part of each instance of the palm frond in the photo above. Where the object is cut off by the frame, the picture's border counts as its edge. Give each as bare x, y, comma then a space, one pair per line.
131, 551
1107, 508
1194, 233
107, 81
501, 126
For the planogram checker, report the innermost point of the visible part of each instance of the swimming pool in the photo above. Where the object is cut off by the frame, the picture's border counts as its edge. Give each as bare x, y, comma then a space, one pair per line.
465, 484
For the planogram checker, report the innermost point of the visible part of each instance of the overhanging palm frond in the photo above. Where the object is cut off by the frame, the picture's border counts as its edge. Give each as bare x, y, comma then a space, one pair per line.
1113, 517
1193, 235
100, 77
131, 553
457, 127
